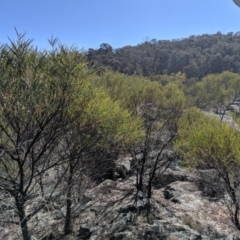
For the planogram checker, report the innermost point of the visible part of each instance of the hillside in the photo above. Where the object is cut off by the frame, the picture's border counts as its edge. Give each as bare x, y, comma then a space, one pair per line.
196, 56
103, 156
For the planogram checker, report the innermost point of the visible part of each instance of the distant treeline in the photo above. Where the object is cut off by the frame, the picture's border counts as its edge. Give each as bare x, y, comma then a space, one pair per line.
196, 56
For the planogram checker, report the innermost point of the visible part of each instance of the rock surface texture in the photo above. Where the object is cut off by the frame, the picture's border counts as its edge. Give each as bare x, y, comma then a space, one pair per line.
115, 210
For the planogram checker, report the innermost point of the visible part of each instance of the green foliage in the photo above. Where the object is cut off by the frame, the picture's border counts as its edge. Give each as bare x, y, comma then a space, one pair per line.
45, 82
206, 140
144, 98
131, 92
110, 120
50, 114
164, 79
218, 90
158, 106
173, 99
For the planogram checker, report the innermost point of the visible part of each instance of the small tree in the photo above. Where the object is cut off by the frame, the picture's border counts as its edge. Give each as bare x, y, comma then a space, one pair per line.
159, 107
206, 141
164, 128
218, 91
104, 125
36, 98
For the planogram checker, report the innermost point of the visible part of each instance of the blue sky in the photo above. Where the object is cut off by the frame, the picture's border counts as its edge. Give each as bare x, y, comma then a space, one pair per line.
88, 23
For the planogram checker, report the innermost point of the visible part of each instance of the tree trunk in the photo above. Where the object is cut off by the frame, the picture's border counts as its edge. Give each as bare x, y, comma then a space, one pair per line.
67, 227
233, 212
140, 186
149, 194
22, 217
236, 218
151, 176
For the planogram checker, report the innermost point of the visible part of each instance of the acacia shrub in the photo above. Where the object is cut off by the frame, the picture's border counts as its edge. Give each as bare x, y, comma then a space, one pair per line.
207, 141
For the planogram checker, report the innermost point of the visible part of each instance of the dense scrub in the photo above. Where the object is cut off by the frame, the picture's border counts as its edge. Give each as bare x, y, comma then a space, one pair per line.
64, 123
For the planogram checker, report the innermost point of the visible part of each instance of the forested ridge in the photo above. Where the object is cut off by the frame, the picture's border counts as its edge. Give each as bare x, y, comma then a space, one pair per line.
196, 56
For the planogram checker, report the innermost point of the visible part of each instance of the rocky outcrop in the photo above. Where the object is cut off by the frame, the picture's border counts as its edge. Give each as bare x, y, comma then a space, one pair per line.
115, 210
177, 211
123, 167
202, 214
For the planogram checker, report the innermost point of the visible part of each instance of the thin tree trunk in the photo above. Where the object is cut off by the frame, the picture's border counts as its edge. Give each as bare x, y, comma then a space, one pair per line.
234, 213
236, 217
41, 186
151, 176
67, 227
140, 186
